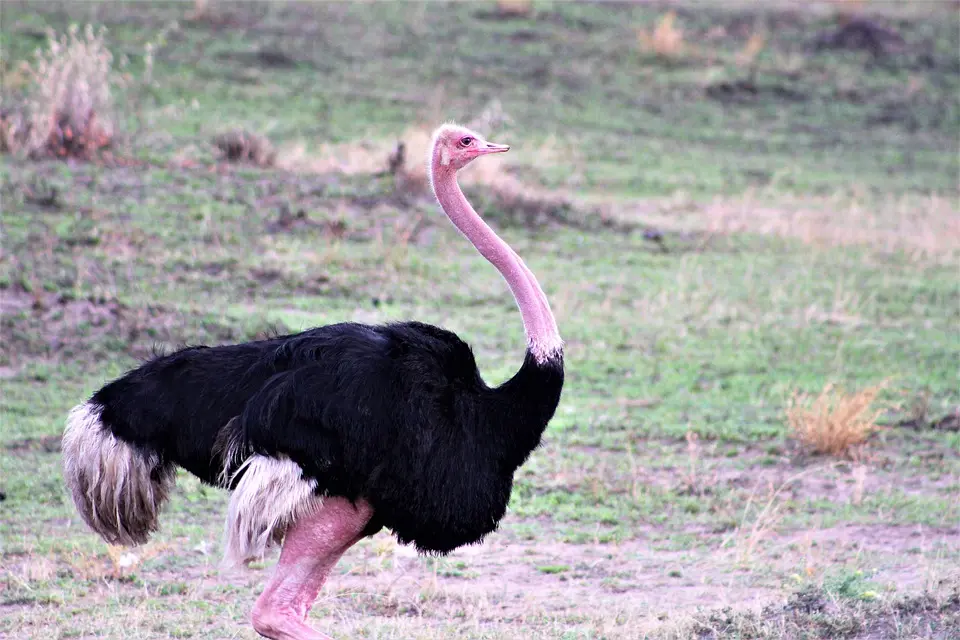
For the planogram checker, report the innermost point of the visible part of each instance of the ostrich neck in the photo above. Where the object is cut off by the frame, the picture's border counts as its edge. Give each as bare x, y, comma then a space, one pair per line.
543, 339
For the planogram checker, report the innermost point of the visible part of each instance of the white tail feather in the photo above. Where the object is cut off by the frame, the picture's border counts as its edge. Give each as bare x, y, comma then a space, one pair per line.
271, 495
117, 489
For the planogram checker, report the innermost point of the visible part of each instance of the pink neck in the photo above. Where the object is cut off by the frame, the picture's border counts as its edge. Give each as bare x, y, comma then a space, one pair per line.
543, 339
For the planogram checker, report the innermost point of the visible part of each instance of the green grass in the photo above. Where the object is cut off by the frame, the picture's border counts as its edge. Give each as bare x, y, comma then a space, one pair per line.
807, 238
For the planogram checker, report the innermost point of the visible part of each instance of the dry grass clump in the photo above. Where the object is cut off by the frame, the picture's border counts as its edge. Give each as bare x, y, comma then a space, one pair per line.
747, 57
68, 109
835, 422
247, 147
199, 11
665, 41
514, 8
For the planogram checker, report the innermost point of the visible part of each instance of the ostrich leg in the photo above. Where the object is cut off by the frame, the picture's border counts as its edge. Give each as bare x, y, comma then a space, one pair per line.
311, 548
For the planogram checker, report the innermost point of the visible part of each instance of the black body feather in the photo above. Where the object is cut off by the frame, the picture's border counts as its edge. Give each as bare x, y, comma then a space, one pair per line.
397, 415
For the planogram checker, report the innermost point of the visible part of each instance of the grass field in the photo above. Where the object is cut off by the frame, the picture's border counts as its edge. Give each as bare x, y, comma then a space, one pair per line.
718, 227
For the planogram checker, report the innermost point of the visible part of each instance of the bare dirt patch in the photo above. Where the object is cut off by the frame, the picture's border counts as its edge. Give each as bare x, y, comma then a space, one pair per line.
46, 444
747, 90
288, 221
267, 57
862, 34
950, 422
506, 581
510, 206
256, 282
55, 325
556, 579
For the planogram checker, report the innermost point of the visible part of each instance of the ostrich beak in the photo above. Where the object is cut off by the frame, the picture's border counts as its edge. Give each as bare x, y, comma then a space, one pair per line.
489, 147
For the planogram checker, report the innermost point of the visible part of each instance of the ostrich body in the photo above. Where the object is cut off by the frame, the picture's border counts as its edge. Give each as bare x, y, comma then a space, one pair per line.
327, 436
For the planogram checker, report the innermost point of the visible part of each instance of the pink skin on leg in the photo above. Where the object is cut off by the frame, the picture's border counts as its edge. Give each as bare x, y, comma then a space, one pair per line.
311, 548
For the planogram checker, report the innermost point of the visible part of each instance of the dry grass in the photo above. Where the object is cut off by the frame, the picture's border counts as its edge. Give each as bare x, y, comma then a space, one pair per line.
761, 517
747, 57
848, 9
514, 8
925, 227
199, 11
362, 157
69, 102
244, 146
835, 422
665, 41
406, 158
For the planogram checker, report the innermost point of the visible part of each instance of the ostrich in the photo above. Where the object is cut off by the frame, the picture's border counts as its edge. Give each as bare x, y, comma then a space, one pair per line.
327, 436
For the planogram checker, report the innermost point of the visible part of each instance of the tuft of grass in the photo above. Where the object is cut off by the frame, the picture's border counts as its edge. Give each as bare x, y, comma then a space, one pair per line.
850, 584
239, 145
747, 57
835, 422
200, 8
514, 8
552, 569
846, 10
666, 40
69, 107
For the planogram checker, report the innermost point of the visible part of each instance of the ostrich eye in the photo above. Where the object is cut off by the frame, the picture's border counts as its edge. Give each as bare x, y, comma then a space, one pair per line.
465, 141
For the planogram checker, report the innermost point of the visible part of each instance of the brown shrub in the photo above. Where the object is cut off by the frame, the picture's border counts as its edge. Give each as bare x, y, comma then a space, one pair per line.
514, 8
68, 108
747, 57
835, 422
199, 11
666, 40
247, 147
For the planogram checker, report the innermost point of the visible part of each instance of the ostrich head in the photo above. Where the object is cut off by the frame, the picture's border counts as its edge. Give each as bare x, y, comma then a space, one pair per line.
454, 147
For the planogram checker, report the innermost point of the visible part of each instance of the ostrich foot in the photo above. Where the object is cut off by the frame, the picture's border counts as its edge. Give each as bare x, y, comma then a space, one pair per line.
279, 626
311, 548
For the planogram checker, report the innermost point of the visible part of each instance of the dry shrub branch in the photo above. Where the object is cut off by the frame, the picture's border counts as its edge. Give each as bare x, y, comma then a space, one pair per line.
835, 422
